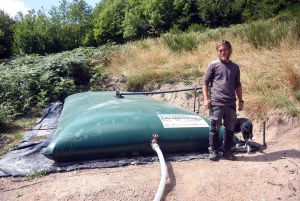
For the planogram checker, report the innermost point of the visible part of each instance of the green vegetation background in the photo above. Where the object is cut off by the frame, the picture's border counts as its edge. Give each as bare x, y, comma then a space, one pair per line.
76, 24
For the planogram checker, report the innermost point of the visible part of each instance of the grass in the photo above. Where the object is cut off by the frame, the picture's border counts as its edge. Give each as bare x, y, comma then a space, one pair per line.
269, 71
36, 174
12, 133
10, 141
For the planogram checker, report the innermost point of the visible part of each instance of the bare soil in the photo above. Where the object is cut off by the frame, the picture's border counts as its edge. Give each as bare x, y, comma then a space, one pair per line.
272, 173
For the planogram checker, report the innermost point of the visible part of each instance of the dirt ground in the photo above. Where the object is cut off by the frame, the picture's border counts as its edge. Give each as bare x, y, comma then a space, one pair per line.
272, 173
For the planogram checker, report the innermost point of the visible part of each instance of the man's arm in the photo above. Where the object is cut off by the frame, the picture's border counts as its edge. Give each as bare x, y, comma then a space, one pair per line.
205, 96
239, 93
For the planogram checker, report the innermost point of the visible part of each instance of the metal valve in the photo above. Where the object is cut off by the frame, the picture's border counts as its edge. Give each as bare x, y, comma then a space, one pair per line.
155, 136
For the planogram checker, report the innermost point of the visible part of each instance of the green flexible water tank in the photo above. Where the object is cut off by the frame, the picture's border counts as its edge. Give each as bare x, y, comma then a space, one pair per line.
96, 125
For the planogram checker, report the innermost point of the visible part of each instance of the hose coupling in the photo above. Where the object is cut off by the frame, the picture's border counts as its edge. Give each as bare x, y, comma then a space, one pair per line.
154, 141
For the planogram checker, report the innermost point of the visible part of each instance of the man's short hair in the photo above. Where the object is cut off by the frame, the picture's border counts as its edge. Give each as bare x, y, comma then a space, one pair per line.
223, 42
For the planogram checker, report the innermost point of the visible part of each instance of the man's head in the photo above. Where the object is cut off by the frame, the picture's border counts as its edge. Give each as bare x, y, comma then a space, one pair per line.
224, 50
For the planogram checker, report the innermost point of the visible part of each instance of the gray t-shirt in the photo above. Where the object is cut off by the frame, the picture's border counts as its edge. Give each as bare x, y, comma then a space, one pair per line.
224, 78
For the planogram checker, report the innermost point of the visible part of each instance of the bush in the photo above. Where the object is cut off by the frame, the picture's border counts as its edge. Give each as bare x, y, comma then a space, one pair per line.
99, 76
7, 112
196, 28
32, 80
179, 42
269, 34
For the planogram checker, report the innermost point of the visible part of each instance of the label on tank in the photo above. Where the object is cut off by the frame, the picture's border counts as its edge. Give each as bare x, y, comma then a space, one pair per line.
181, 120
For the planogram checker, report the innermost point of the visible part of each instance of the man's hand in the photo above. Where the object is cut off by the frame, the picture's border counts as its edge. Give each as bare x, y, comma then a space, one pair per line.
207, 104
241, 106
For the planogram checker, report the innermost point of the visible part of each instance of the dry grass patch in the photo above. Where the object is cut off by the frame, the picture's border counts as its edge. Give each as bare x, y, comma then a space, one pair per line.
139, 59
270, 76
154, 57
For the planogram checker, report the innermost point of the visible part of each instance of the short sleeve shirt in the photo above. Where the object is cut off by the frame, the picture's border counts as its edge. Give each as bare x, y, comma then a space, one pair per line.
224, 78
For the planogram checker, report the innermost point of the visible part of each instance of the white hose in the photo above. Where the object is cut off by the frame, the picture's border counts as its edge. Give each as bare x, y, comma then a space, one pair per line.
163, 168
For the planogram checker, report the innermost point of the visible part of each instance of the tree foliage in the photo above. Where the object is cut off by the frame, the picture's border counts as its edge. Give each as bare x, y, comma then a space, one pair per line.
74, 24
108, 24
6, 35
79, 18
64, 28
32, 34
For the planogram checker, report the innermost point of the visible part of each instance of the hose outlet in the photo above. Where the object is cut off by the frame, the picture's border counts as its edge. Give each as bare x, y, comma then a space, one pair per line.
154, 141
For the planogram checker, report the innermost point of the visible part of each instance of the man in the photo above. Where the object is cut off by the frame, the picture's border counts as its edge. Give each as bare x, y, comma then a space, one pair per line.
223, 76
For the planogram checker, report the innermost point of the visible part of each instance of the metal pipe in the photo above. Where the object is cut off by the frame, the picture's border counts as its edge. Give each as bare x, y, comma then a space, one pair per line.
195, 94
264, 133
119, 94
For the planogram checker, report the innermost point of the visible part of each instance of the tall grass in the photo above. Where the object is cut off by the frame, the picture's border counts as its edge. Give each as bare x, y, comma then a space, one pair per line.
180, 42
267, 53
269, 34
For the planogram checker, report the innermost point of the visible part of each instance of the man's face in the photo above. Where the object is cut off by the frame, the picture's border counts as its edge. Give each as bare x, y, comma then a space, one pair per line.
224, 53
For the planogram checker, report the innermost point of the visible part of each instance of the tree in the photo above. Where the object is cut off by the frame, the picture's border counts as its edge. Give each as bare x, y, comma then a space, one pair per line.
161, 15
6, 35
55, 31
70, 23
219, 13
145, 18
108, 24
135, 23
26, 41
80, 21
32, 33
185, 13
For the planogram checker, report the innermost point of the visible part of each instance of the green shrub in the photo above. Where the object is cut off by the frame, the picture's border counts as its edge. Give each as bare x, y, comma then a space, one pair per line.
196, 28
188, 95
187, 82
31, 80
271, 33
136, 83
99, 76
297, 95
286, 104
179, 42
289, 14
7, 112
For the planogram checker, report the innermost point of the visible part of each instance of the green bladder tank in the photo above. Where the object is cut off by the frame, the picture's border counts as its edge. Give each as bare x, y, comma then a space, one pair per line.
97, 125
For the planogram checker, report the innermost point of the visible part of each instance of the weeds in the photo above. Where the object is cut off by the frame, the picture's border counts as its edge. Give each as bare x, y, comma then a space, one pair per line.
188, 95
11, 133
99, 76
36, 174
269, 34
187, 82
19, 194
77, 171
179, 42
297, 95
287, 105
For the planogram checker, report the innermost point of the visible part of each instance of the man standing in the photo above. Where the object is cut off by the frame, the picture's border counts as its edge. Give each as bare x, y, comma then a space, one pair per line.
223, 76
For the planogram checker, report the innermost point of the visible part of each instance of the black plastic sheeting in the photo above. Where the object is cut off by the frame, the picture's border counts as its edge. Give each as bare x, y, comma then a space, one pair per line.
28, 158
